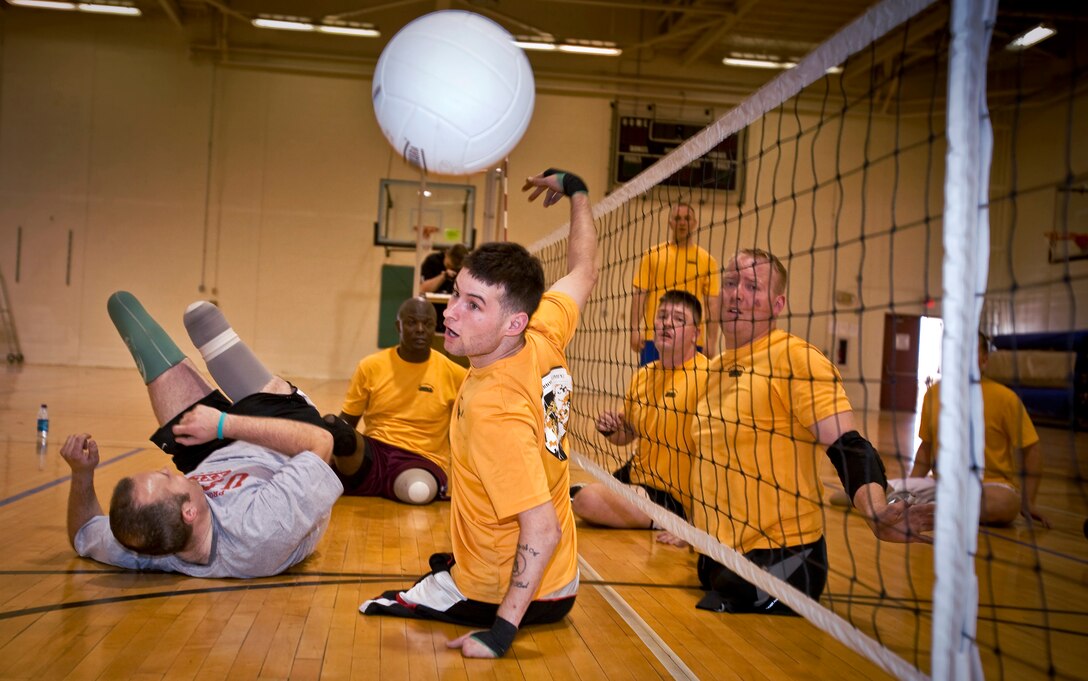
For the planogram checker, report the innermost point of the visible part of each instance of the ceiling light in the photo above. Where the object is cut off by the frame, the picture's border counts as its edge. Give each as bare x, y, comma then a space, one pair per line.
109, 8
355, 30
1030, 37
595, 47
757, 62
283, 23
43, 4
533, 43
287, 23
105, 7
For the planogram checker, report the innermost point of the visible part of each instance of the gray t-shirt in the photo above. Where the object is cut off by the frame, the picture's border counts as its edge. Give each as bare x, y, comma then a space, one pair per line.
268, 513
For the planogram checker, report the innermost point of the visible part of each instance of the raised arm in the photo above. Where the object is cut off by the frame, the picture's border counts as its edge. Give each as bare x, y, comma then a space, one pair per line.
582, 241
204, 424
81, 454
538, 535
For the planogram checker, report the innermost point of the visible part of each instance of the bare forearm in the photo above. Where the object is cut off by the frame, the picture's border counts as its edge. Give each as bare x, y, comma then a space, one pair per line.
1033, 473
538, 536
582, 242
82, 503
281, 435
431, 285
923, 461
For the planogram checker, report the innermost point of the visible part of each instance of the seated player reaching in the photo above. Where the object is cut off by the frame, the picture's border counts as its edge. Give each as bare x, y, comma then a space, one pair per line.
657, 415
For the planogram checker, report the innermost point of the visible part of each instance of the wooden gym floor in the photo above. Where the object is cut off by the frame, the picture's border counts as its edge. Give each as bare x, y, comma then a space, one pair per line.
62, 617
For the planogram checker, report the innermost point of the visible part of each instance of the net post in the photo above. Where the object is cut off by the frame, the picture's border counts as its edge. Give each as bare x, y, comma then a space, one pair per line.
955, 653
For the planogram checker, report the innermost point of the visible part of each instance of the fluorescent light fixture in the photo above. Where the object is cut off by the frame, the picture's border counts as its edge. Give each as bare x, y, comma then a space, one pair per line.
43, 4
527, 43
1030, 37
757, 63
354, 30
599, 48
284, 24
121, 8
109, 8
546, 43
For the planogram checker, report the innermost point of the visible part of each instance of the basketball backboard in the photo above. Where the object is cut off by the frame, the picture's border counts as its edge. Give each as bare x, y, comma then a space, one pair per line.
448, 211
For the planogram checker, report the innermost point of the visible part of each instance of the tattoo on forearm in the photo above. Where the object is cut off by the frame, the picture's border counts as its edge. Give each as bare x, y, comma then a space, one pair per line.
521, 564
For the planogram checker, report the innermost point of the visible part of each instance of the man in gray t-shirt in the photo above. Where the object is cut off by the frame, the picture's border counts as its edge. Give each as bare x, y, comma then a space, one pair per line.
259, 487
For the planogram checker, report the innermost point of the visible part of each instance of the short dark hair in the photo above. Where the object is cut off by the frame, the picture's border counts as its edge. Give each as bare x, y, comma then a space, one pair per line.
511, 266
684, 298
155, 529
457, 253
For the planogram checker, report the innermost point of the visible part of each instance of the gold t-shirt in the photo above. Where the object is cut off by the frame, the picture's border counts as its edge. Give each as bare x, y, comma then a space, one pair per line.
681, 268
660, 406
406, 404
754, 479
509, 454
1008, 428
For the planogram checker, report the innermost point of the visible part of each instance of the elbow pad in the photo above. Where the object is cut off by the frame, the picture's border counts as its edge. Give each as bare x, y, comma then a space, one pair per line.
857, 463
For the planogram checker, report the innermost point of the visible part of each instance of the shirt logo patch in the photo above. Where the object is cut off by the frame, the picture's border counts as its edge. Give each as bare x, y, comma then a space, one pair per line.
426, 388
556, 388
736, 371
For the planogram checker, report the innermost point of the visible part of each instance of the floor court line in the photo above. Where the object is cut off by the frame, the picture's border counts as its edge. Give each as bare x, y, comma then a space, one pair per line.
646, 633
53, 483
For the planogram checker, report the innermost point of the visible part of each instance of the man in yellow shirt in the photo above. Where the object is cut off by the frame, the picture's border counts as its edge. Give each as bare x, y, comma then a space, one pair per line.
773, 403
515, 556
404, 396
1009, 431
679, 265
657, 412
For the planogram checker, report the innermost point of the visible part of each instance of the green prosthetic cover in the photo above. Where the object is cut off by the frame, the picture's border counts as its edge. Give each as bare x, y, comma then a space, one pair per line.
152, 349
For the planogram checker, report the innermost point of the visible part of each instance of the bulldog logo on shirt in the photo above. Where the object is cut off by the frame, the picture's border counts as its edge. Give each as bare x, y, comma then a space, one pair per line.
555, 391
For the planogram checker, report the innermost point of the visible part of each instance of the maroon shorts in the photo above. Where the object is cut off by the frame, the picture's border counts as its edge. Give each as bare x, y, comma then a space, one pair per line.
381, 466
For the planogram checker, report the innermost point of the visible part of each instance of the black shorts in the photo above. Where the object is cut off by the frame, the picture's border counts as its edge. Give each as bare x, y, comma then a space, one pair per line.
659, 497
803, 567
382, 464
293, 407
468, 612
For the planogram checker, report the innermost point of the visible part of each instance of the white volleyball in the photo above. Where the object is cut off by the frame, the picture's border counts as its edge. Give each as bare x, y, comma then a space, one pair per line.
452, 92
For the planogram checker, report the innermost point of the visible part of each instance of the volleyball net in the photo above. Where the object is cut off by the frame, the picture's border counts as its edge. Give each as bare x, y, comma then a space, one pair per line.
867, 174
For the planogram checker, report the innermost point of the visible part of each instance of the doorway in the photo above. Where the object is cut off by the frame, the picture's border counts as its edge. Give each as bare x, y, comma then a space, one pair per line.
912, 360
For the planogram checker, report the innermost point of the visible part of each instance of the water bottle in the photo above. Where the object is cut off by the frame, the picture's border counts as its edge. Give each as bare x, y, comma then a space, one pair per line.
43, 428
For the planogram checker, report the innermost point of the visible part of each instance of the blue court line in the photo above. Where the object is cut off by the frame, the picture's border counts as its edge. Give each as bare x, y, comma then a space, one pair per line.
58, 481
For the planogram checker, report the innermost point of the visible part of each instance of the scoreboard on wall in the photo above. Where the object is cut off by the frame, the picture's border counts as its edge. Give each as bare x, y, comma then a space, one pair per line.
638, 143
